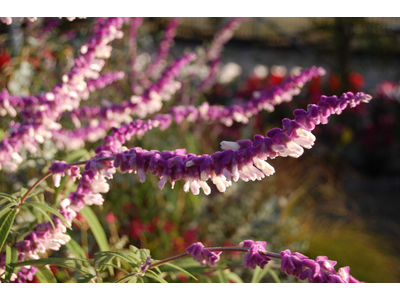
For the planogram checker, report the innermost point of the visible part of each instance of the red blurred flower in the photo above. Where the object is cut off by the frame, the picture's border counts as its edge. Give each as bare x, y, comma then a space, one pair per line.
4, 57
356, 82
110, 218
334, 82
136, 227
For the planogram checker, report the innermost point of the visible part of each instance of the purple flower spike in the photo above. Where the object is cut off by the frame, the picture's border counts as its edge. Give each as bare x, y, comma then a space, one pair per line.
254, 257
345, 274
292, 263
316, 271
203, 256
59, 168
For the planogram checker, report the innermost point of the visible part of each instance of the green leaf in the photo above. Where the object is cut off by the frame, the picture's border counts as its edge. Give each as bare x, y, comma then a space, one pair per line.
151, 274
11, 258
259, 274
35, 192
44, 275
75, 249
127, 256
96, 228
133, 280
39, 215
69, 263
48, 209
222, 276
6, 208
234, 277
190, 265
8, 197
5, 225
85, 278
22, 192
43, 212
179, 269
274, 276
125, 278
116, 267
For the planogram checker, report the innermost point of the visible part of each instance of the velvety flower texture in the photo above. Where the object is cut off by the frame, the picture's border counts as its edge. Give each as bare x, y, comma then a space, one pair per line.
254, 257
320, 270
59, 168
202, 255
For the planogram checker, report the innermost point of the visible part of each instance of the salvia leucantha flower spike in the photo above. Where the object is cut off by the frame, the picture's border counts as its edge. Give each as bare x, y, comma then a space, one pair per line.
298, 265
266, 99
113, 115
244, 159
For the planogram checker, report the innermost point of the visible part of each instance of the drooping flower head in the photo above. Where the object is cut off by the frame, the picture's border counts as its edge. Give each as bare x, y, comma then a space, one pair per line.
255, 255
203, 256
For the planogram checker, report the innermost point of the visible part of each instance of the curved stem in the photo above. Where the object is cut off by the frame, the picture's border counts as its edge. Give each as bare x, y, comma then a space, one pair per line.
34, 186
49, 173
167, 260
213, 249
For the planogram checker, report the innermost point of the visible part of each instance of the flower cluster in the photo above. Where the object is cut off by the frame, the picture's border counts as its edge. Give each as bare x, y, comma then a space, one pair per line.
243, 160
154, 68
112, 115
203, 255
256, 254
59, 168
40, 112
318, 271
103, 80
222, 36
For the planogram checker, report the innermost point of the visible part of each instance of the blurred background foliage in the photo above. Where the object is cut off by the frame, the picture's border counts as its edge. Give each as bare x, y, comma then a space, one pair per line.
340, 199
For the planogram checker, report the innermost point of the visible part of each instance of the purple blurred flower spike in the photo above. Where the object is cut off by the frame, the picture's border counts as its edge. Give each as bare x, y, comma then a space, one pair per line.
345, 274
203, 256
254, 257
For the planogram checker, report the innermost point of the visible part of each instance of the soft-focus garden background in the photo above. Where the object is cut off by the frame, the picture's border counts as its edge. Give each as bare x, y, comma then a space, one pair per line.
339, 199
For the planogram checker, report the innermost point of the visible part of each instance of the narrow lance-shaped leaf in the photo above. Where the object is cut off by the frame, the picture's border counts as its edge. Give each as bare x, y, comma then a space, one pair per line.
274, 276
234, 277
70, 263
180, 269
8, 197
96, 228
6, 208
44, 275
151, 274
48, 209
11, 258
259, 274
43, 212
75, 248
222, 276
5, 225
